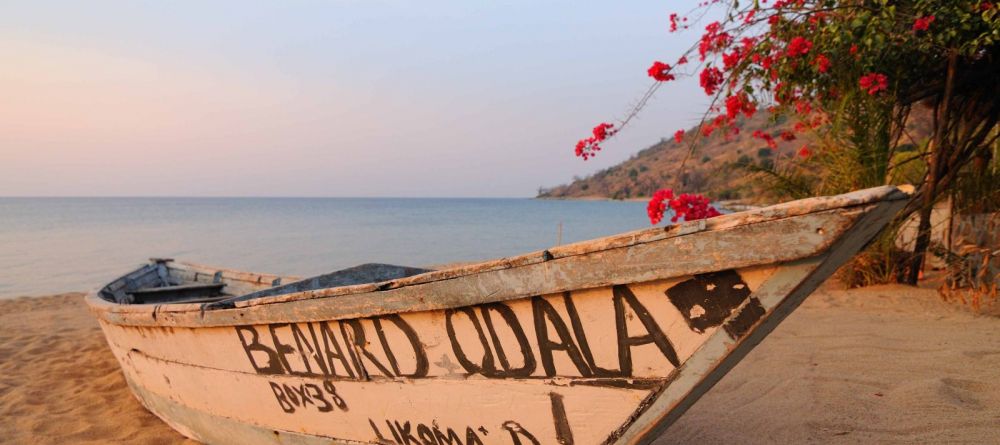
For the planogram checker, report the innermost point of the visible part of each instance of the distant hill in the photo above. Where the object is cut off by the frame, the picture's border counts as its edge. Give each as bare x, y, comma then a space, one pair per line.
710, 170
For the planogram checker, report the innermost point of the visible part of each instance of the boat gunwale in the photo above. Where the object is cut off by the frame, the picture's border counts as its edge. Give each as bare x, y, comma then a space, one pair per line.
791, 209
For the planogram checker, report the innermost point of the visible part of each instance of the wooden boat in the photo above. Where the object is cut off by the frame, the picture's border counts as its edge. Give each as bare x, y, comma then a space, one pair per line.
599, 342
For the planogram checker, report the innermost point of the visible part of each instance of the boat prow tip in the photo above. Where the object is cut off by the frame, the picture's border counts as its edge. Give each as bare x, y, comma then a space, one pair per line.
908, 189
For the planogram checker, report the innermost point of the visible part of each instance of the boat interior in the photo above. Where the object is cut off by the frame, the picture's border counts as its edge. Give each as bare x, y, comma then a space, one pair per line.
165, 281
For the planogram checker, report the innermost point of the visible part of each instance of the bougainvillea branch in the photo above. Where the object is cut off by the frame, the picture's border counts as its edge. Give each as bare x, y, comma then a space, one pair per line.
687, 206
813, 60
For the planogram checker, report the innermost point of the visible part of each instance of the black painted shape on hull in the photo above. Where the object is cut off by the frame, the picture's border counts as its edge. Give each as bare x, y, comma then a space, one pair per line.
709, 299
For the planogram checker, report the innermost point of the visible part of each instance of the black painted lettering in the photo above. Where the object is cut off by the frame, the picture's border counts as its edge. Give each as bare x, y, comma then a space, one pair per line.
317, 351
517, 432
280, 348
317, 394
329, 339
253, 345
581, 338
361, 346
527, 355
395, 433
421, 365
623, 295
543, 311
379, 438
564, 435
302, 394
349, 343
290, 394
426, 435
302, 343
405, 434
332, 390
447, 437
485, 366
471, 438
279, 395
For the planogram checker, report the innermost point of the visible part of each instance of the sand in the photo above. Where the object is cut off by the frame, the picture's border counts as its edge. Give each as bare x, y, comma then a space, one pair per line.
886, 364
59, 382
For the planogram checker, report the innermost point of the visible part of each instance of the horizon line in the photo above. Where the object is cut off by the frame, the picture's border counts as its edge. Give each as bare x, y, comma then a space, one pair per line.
253, 197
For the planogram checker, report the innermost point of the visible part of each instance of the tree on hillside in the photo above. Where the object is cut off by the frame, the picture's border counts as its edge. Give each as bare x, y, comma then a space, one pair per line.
851, 71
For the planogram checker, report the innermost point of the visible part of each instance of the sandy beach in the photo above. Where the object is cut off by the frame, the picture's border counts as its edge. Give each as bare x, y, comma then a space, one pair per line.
886, 364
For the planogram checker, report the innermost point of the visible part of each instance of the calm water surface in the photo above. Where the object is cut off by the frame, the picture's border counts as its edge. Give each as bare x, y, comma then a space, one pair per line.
50, 245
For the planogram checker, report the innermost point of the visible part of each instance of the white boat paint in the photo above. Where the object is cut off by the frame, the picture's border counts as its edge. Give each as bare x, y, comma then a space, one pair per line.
601, 342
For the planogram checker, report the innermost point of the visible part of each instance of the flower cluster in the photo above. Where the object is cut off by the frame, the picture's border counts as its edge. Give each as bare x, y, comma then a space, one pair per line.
660, 71
799, 46
739, 103
873, 83
710, 79
713, 40
766, 137
822, 63
923, 23
674, 22
687, 206
588, 147
796, 58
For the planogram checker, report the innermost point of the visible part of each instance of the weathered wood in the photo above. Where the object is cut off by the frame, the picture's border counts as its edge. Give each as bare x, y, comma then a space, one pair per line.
237, 282
188, 293
602, 342
765, 242
213, 347
779, 297
213, 429
365, 273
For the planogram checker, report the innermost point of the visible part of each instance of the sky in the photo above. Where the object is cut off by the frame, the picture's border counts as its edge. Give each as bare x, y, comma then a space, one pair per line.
326, 98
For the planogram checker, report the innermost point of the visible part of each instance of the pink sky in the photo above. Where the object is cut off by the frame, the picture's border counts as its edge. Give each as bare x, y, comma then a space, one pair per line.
322, 99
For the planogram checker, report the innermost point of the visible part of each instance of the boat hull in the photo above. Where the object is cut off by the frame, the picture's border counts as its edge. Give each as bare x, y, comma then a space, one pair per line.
601, 342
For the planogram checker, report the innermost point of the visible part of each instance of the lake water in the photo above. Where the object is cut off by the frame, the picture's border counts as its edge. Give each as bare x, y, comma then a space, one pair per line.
50, 245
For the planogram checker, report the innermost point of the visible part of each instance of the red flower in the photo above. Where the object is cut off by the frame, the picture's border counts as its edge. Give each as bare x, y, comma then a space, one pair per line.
679, 136
673, 22
588, 147
805, 152
682, 60
799, 46
713, 40
822, 63
816, 18
660, 71
707, 129
923, 23
739, 103
854, 49
657, 206
803, 107
873, 83
710, 79
765, 137
729, 60
601, 131
787, 136
689, 207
